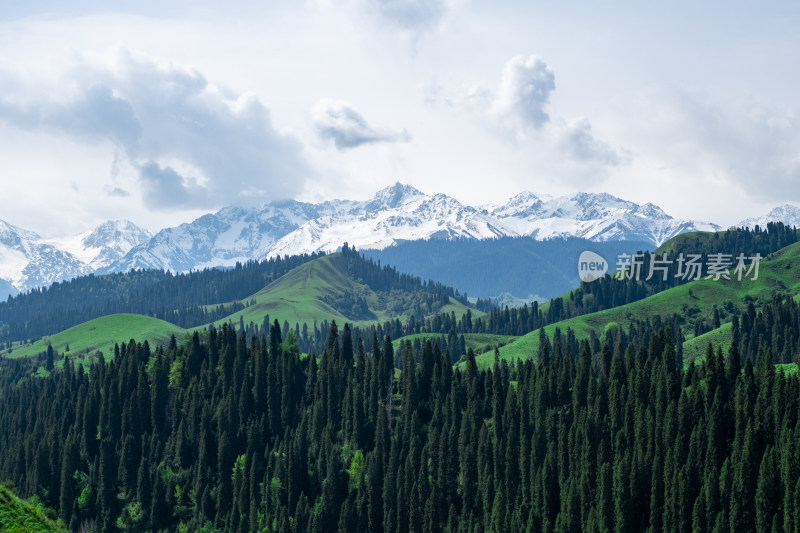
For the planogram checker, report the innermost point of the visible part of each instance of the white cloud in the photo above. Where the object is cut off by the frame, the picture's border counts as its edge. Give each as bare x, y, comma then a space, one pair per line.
166, 120
290, 54
747, 144
403, 20
519, 110
577, 141
412, 15
339, 122
524, 94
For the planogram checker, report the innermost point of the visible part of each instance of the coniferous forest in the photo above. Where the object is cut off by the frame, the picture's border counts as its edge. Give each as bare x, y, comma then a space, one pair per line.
339, 427
224, 433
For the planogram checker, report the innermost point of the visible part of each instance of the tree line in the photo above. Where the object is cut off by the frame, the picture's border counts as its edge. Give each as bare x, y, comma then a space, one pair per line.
225, 433
608, 292
177, 298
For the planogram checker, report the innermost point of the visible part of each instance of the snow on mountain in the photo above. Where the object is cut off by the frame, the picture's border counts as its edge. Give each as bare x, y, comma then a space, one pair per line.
401, 212
222, 238
786, 213
105, 244
394, 214
27, 260
598, 217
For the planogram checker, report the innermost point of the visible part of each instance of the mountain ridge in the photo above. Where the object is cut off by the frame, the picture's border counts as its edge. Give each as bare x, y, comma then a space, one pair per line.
395, 214
787, 213
28, 261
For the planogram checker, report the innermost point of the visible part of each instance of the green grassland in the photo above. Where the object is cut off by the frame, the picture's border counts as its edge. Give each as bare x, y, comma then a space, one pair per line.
779, 273
101, 334
297, 296
18, 515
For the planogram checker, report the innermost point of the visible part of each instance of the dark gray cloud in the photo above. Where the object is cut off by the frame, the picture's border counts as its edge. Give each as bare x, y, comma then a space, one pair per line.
339, 122
92, 114
193, 145
163, 187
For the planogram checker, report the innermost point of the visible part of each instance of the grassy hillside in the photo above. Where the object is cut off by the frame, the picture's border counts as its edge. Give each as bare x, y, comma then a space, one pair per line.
683, 241
318, 290
695, 348
479, 342
101, 334
310, 292
781, 272
18, 515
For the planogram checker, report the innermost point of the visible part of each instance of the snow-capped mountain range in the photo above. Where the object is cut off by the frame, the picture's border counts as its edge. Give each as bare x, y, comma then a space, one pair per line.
396, 213
27, 260
786, 213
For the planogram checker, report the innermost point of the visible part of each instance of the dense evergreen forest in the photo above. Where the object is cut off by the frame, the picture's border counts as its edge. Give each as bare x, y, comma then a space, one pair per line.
222, 433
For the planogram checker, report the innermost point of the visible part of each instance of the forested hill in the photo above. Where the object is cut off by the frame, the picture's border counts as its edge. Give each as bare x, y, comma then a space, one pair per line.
387, 278
199, 298
608, 292
216, 435
179, 299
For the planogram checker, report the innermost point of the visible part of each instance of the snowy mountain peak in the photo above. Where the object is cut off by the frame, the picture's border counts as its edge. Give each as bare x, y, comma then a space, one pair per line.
13, 236
28, 261
393, 196
652, 211
525, 204
103, 245
579, 206
786, 213
592, 206
394, 214
118, 232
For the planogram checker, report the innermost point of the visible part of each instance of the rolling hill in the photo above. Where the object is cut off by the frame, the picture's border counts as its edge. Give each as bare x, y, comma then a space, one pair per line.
342, 287
779, 273
348, 288
323, 289
101, 334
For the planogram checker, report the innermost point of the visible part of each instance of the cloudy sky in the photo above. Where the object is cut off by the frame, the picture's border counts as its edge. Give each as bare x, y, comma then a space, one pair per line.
161, 113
